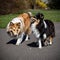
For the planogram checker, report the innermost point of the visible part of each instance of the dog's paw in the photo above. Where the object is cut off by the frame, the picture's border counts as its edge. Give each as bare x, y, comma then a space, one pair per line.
19, 40
50, 43
27, 38
40, 47
17, 44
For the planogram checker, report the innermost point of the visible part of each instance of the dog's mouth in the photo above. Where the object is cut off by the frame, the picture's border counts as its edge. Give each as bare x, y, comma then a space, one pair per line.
11, 34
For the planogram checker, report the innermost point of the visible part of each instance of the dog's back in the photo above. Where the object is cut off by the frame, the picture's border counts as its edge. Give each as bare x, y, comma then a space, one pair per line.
50, 27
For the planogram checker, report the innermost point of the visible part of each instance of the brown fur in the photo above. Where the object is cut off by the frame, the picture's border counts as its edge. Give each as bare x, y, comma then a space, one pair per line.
14, 28
26, 18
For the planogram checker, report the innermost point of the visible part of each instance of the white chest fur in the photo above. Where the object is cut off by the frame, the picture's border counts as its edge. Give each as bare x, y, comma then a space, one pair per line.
35, 31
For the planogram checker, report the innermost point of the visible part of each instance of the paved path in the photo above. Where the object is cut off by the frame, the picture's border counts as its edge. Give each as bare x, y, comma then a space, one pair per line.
24, 52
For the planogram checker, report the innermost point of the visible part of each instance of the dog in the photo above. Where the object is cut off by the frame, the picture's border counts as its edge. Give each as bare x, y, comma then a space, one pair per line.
19, 26
44, 30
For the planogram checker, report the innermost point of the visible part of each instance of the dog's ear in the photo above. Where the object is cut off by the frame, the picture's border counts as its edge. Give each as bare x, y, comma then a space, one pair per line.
41, 16
11, 24
30, 14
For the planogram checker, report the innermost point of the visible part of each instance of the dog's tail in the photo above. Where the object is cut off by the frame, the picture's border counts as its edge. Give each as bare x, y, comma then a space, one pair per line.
30, 14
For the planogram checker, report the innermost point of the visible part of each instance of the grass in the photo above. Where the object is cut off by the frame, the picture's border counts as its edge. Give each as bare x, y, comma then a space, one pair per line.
53, 15
4, 19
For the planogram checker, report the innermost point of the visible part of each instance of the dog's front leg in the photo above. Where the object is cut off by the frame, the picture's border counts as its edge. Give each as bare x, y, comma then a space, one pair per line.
27, 37
19, 40
40, 43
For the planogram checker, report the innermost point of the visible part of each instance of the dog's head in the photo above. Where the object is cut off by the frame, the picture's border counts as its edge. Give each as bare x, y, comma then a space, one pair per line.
39, 16
34, 21
13, 29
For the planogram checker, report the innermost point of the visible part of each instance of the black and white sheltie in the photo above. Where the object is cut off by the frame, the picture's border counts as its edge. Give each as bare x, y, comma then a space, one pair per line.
44, 30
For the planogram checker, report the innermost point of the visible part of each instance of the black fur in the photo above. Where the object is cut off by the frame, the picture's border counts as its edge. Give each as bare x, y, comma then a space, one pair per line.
39, 16
49, 31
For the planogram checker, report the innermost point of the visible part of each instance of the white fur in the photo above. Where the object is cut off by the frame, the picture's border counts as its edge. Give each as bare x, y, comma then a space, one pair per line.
30, 13
27, 38
37, 34
44, 36
40, 45
8, 26
45, 24
19, 40
50, 43
35, 31
17, 20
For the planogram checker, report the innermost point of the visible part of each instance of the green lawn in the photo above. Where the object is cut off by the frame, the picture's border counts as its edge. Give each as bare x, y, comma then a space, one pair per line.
53, 15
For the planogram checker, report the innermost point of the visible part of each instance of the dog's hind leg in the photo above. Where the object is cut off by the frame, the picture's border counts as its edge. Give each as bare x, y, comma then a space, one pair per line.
28, 32
40, 43
27, 37
51, 40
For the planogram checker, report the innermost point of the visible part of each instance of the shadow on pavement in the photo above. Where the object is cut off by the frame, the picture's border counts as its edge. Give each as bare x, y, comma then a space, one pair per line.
33, 44
13, 41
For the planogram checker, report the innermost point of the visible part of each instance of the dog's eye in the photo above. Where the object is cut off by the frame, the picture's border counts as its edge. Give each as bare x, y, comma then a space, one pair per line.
14, 29
10, 31
18, 26
17, 30
11, 24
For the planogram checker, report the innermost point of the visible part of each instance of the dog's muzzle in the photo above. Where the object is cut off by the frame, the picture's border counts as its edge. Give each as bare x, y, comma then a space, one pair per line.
11, 34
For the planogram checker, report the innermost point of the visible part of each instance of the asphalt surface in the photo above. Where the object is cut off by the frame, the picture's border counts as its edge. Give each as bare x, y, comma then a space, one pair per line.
27, 50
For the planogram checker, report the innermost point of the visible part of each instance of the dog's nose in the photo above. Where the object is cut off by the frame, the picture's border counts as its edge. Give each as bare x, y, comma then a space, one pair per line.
15, 35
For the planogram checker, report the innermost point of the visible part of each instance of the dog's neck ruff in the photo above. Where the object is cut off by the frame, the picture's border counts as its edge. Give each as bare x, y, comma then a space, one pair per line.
35, 31
45, 24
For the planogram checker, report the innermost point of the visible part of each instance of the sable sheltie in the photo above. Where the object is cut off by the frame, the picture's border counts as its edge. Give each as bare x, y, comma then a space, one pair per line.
19, 26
